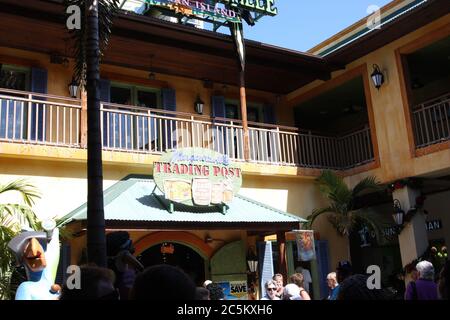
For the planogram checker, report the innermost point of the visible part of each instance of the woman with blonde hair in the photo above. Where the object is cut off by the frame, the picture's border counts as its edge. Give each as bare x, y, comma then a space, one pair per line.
298, 279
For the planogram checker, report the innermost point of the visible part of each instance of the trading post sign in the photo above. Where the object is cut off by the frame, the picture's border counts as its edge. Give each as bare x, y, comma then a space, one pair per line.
197, 176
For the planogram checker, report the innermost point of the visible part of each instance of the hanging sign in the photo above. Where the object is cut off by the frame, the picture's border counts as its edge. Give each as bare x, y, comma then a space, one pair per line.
305, 245
216, 10
197, 176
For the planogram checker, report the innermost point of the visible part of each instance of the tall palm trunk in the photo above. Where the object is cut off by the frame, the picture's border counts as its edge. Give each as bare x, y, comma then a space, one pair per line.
96, 241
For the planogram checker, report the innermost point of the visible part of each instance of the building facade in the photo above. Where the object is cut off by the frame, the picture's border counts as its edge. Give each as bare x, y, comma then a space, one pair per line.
306, 112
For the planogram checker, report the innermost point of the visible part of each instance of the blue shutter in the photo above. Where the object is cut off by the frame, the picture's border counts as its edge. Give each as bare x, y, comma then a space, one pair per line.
323, 262
39, 85
169, 102
64, 262
265, 264
219, 132
105, 96
218, 106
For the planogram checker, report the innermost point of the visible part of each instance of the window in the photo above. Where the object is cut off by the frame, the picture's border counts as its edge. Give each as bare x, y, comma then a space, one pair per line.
13, 114
14, 77
233, 111
131, 131
135, 95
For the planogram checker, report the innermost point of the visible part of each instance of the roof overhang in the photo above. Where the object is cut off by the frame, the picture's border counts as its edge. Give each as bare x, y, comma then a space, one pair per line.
178, 50
135, 203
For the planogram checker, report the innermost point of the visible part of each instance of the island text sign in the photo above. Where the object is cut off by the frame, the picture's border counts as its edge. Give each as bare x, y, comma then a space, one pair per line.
196, 176
214, 11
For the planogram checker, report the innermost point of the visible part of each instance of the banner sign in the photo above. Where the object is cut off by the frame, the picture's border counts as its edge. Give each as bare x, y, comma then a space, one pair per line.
197, 176
234, 290
216, 10
305, 245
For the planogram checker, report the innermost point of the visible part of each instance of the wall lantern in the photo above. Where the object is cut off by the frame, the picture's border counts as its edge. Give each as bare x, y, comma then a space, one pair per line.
399, 214
377, 76
198, 105
252, 261
73, 88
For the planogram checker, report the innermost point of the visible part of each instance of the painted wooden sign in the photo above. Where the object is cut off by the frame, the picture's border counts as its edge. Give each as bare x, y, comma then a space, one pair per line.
196, 176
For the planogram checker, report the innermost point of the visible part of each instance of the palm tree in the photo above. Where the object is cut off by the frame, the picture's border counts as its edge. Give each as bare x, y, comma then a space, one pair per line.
13, 217
341, 211
90, 42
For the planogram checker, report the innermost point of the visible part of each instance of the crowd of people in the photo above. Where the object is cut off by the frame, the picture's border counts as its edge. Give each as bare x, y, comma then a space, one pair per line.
126, 279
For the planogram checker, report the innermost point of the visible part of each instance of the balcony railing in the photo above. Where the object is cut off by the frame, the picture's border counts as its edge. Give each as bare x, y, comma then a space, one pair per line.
431, 121
49, 120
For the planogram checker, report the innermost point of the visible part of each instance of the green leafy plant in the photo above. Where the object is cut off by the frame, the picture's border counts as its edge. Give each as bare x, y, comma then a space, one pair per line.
341, 212
14, 217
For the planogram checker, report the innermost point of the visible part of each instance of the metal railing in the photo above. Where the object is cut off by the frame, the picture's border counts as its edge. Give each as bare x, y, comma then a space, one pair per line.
432, 121
30, 117
51, 120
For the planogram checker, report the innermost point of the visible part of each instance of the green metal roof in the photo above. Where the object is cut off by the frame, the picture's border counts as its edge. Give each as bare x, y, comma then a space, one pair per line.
135, 199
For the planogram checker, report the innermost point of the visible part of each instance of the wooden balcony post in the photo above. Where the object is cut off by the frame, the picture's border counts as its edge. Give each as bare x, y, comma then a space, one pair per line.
83, 119
244, 117
281, 242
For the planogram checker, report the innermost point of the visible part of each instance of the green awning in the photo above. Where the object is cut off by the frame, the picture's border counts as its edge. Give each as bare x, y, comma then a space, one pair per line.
135, 203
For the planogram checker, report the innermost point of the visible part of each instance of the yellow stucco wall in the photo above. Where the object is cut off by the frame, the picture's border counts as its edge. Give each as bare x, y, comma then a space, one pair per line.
395, 156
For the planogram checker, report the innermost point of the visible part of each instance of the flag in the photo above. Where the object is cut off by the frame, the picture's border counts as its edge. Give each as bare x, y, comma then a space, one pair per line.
237, 32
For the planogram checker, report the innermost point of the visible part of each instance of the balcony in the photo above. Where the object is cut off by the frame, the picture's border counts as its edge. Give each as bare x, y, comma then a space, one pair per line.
431, 121
39, 119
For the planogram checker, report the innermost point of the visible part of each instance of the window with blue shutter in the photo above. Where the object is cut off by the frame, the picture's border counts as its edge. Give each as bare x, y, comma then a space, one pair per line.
169, 128
13, 113
219, 132
38, 85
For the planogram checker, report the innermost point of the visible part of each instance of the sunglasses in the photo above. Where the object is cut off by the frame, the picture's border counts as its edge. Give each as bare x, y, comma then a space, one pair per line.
271, 289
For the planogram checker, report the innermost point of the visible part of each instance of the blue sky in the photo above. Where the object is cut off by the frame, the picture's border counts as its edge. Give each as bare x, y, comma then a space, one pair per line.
302, 24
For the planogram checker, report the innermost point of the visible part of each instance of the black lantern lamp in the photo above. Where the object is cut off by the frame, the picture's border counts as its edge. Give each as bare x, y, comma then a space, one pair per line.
198, 105
399, 214
377, 76
252, 261
73, 88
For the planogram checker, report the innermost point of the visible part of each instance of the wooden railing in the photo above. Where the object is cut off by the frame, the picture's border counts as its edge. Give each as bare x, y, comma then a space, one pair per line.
432, 121
50, 120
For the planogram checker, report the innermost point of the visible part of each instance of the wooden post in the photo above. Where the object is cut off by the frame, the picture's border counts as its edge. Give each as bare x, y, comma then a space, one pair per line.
244, 116
281, 241
83, 119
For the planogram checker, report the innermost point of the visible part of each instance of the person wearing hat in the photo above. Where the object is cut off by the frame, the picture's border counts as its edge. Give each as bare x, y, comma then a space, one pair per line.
40, 260
343, 270
119, 250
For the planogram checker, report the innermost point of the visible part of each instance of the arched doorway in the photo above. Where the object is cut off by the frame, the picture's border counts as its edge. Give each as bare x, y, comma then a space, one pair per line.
178, 255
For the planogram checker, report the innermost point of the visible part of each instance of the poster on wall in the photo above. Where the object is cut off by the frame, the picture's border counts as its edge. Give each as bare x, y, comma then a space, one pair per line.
235, 290
305, 245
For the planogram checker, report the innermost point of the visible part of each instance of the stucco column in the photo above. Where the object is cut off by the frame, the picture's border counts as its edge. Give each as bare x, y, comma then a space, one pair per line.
83, 119
413, 238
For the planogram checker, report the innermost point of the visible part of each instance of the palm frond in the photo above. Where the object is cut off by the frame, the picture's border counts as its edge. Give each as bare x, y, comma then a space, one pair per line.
367, 184
333, 187
314, 215
107, 10
17, 216
22, 186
